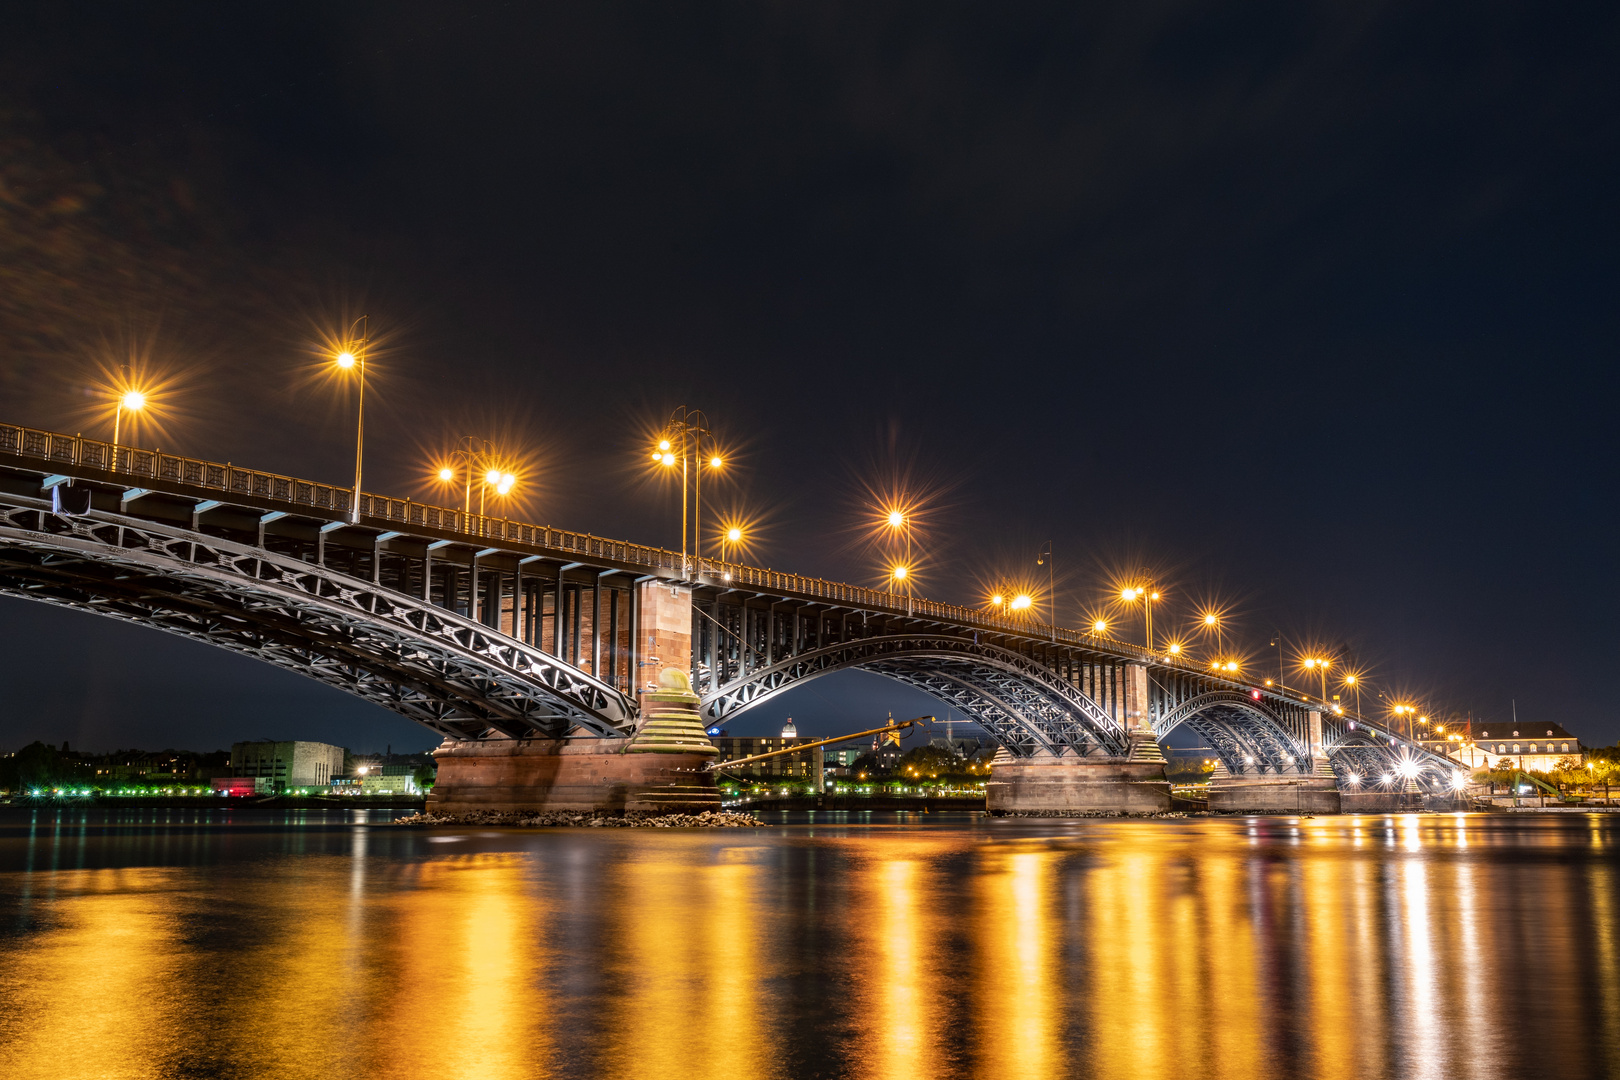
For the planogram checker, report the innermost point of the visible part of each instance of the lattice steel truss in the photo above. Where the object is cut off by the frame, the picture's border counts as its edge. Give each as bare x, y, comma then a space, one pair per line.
436, 667
1023, 703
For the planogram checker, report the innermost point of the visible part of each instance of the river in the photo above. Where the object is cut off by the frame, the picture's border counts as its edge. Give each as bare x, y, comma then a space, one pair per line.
177, 943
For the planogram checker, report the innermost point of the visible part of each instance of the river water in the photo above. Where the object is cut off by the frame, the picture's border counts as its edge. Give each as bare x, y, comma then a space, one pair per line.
195, 944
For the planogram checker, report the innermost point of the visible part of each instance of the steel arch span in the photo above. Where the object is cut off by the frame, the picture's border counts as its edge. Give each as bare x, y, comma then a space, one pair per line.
1024, 704
431, 665
1248, 737
1361, 759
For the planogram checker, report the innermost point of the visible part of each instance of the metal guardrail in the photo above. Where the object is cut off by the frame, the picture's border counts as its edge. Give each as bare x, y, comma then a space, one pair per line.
133, 463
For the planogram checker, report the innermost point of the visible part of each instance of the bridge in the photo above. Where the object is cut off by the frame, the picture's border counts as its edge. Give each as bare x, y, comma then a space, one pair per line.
513, 639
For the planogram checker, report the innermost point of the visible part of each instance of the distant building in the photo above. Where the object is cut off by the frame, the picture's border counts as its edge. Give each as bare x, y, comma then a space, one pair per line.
808, 765
243, 785
288, 764
386, 780
162, 767
790, 730
1530, 747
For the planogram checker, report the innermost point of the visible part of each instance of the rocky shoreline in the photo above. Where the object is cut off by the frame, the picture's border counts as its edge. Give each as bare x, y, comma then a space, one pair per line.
1087, 814
709, 819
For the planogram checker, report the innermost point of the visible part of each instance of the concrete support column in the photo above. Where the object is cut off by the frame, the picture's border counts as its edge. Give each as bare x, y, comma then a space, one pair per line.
664, 627
1320, 766
1139, 716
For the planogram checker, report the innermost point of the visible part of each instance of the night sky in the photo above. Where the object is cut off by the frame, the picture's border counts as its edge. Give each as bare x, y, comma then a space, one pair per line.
1308, 309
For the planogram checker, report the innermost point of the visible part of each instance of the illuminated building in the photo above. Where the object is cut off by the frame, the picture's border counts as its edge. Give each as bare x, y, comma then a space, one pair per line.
287, 764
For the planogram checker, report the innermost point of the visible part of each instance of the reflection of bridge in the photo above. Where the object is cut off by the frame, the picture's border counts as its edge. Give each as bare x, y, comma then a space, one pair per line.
489, 629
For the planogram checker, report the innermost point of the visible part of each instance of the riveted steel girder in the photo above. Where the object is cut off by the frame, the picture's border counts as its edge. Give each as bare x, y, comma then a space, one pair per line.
445, 671
1019, 700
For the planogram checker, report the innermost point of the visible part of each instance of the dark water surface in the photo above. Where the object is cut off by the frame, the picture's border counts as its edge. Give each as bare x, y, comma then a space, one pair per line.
191, 944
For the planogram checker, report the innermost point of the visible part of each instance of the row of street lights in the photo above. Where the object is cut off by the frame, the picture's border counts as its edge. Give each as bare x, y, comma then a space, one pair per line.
688, 441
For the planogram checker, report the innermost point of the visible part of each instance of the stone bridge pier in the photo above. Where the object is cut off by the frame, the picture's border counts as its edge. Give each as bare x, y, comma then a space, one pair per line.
658, 770
1132, 783
1313, 789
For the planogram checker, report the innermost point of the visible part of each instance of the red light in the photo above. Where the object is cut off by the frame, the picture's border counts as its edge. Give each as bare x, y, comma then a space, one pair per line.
1255, 694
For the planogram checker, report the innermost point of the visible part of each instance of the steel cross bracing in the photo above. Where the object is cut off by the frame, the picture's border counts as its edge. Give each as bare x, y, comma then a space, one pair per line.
421, 661
1023, 703
1370, 751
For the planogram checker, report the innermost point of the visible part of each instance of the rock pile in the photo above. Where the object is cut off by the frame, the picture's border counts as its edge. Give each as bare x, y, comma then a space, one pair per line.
1087, 814
709, 819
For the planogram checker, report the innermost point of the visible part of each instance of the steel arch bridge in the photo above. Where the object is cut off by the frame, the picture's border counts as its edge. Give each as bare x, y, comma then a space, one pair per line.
1024, 704
482, 627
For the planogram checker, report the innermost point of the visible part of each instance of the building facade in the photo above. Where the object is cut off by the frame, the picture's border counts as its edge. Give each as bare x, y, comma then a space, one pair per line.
802, 766
288, 764
1529, 747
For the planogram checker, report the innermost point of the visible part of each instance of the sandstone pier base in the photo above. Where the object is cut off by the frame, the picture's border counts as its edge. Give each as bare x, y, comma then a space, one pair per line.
1105, 785
569, 774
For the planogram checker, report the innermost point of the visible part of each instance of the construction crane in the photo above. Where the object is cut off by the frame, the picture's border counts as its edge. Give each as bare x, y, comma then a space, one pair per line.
888, 733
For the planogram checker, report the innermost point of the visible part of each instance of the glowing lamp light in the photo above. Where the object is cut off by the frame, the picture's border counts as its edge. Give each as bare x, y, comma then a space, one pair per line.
1021, 602
1255, 694
733, 535
899, 573
133, 400
668, 459
446, 475
1101, 626
1175, 649
896, 519
1209, 620
997, 600
1387, 778
345, 359
664, 445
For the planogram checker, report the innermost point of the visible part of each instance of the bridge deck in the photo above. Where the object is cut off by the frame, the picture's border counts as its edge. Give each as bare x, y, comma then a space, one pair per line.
312, 521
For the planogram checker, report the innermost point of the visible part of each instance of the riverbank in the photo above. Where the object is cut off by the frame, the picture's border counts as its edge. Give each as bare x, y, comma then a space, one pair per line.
216, 802
709, 819
858, 802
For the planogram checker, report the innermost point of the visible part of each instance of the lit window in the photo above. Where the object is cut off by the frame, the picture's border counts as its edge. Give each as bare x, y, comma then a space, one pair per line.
1565, 749
1532, 748
1515, 748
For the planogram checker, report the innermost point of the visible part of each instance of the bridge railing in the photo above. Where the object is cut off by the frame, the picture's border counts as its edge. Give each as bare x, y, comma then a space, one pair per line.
135, 464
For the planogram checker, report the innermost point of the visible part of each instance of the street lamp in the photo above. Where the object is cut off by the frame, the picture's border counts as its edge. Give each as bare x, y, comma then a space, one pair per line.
134, 401
683, 442
1320, 667
354, 356
1044, 557
1353, 681
476, 459
1148, 595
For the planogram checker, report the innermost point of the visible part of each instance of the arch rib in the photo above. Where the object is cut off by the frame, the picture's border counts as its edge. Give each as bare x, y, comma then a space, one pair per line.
431, 665
1047, 712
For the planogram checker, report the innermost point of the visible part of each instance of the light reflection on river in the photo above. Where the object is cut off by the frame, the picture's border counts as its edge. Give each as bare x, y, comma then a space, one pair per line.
173, 944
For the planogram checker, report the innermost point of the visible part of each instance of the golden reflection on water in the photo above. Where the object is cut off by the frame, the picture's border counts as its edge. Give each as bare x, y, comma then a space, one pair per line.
88, 988
1019, 983
1335, 948
899, 992
687, 932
